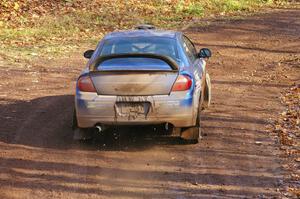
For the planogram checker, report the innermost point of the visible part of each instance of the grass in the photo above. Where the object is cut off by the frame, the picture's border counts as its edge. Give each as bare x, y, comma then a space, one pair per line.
48, 37
54, 34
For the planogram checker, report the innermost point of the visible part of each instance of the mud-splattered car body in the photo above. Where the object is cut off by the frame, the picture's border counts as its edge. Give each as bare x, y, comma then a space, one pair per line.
141, 77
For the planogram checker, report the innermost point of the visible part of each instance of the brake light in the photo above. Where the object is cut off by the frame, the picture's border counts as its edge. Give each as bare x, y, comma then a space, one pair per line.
85, 84
182, 83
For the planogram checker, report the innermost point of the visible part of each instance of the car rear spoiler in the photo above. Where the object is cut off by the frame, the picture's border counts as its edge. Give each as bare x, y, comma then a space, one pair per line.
168, 60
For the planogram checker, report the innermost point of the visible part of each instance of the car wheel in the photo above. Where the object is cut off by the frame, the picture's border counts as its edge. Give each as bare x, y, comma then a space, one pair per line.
191, 135
207, 92
80, 134
83, 134
74, 120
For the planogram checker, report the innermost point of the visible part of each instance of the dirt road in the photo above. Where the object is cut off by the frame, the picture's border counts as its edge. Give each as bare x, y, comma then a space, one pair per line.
255, 58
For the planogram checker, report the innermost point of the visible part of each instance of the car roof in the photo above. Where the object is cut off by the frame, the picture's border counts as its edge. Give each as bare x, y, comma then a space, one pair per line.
142, 33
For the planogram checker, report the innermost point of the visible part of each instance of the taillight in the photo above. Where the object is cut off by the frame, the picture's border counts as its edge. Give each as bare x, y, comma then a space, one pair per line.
182, 83
85, 84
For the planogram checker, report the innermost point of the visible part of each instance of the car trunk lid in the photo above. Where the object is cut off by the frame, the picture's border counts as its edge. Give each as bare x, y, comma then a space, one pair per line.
134, 75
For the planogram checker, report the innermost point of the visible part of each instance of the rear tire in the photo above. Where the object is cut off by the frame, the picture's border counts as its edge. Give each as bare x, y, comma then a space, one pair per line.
207, 92
83, 134
191, 135
80, 134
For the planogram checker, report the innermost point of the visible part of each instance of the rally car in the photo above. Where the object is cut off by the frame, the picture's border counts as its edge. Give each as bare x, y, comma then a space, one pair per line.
143, 76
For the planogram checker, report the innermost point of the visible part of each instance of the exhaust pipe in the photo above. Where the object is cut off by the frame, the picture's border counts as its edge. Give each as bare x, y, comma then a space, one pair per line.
167, 126
99, 128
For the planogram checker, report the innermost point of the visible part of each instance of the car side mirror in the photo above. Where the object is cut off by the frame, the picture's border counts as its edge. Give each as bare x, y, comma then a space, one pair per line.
88, 54
205, 53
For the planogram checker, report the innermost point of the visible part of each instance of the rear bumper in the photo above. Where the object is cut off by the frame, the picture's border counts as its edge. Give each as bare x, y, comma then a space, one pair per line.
177, 109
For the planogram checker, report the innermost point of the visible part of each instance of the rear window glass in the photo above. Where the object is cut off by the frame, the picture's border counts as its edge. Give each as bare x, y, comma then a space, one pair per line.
134, 63
154, 45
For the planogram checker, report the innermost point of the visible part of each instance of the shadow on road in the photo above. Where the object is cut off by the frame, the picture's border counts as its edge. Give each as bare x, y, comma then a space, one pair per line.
46, 122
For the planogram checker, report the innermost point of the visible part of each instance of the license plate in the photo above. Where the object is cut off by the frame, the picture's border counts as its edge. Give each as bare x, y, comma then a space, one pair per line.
132, 110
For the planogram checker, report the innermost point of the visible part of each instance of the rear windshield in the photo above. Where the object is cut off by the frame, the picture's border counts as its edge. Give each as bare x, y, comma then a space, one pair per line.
155, 45
134, 63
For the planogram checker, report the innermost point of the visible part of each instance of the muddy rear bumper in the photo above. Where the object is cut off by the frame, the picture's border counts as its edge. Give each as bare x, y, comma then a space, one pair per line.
177, 109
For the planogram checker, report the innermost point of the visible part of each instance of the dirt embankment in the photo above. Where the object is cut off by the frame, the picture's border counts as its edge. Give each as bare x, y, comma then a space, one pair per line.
239, 156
